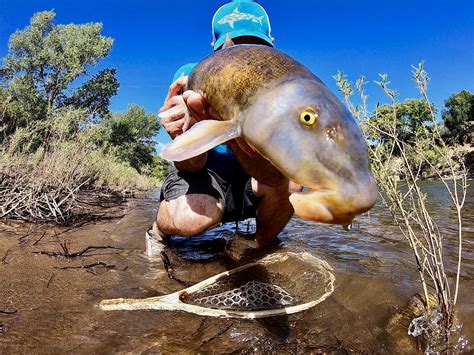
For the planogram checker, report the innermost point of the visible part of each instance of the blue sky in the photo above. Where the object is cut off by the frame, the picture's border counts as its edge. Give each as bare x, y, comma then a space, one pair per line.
154, 38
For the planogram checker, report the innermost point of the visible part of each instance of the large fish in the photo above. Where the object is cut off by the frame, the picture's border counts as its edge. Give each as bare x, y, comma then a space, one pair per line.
290, 117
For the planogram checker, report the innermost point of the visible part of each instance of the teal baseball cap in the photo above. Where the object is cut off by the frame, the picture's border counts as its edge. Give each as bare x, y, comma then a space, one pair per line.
240, 18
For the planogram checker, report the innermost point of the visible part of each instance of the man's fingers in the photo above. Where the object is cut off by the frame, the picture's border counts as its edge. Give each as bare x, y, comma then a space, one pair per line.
173, 112
177, 86
174, 101
197, 104
187, 93
187, 121
174, 128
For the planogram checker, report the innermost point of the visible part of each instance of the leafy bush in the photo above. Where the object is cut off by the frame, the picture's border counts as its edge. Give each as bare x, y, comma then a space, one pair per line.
128, 136
458, 116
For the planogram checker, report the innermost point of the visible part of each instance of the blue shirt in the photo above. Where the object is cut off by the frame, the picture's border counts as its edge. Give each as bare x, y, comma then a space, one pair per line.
221, 158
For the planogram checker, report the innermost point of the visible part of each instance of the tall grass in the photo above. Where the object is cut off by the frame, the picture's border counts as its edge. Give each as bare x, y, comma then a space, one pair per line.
397, 167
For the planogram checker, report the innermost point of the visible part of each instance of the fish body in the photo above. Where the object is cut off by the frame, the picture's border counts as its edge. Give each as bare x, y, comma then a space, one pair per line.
286, 114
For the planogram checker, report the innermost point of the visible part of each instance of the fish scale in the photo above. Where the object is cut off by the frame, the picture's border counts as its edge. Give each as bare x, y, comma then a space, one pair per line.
231, 77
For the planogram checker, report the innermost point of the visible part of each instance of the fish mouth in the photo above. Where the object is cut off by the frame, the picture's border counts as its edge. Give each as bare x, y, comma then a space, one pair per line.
332, 206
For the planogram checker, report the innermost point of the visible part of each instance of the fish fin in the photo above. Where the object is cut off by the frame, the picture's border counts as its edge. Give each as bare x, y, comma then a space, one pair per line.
201, 137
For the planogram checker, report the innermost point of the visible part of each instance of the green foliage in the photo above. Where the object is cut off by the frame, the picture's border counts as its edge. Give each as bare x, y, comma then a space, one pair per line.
61, 125
128, 136
57, 134
159, 168
458, 117
94, 95
41, 66
50, 57
405, 145
409, 119
68, 160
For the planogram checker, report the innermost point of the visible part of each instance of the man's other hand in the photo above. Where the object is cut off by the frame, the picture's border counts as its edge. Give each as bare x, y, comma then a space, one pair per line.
181, 111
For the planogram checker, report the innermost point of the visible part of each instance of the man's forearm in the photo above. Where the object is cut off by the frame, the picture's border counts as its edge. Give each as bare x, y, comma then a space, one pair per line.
193, 164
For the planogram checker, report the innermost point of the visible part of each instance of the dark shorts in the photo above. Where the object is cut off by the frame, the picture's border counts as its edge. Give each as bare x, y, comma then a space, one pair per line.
234, 192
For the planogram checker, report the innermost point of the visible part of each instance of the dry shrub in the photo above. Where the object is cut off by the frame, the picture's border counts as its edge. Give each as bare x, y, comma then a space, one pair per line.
42, 184
399, 166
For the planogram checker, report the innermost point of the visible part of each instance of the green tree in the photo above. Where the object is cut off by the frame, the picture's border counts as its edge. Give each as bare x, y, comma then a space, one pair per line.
42, 63
411, 116
94, 95
458, 117
129, 136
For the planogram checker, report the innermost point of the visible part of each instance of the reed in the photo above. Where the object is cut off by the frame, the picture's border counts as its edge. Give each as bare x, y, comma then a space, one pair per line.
397, 167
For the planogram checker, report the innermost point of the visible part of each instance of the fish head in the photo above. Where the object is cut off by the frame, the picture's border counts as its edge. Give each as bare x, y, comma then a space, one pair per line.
306, 132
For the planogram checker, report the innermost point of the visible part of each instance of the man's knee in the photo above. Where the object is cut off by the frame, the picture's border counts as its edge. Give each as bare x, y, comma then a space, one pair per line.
189, 215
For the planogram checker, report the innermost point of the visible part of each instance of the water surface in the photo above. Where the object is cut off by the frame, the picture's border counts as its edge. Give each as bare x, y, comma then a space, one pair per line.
46, 309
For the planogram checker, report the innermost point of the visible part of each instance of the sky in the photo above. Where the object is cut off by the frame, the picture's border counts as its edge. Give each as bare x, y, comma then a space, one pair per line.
152, 39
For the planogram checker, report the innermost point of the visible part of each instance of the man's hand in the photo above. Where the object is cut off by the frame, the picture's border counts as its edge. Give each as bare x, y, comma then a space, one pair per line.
175, 116
181, 111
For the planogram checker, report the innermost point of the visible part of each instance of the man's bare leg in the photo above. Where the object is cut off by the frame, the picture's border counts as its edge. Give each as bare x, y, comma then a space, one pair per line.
273, 211
188, 215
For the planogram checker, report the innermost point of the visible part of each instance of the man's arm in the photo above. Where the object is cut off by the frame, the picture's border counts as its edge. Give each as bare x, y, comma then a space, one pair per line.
176, 123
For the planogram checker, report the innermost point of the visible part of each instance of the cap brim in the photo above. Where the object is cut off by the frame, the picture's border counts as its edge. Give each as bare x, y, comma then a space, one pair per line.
240, 33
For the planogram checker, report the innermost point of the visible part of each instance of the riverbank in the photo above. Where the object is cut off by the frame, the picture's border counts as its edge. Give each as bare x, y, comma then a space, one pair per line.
67, 183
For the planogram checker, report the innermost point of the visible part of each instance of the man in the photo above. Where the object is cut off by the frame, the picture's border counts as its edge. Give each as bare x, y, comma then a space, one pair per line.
230, 182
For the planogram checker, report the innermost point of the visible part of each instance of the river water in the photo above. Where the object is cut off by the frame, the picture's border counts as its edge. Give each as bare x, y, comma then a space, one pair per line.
45, 308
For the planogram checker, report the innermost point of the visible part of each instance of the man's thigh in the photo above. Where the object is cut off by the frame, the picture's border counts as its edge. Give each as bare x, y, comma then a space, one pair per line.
234, 194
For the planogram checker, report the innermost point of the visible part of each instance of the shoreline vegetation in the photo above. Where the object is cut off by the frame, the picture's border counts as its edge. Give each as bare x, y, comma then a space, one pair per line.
59, 139
63, 154
406, 145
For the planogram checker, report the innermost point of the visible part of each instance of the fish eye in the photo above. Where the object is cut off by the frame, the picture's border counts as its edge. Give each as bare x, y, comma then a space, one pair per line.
308, 117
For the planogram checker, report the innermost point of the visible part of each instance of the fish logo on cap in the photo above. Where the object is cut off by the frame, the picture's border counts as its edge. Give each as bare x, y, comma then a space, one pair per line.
236, 15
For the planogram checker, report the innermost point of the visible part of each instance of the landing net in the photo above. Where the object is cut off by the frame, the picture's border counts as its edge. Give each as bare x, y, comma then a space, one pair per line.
281, 283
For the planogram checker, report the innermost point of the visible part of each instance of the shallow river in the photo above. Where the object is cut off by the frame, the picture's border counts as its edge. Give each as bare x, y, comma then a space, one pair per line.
47, 309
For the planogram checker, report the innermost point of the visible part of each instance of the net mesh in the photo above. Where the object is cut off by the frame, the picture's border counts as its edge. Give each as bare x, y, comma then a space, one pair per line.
253, 295
266, 286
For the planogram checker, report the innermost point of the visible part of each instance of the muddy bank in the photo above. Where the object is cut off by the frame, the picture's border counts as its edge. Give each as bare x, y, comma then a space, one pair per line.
49, 309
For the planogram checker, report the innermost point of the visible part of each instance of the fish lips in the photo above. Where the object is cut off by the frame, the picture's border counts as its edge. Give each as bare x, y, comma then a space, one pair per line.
329, 206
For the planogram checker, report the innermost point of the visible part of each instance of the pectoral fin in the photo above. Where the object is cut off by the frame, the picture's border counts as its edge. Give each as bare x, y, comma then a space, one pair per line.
200, 138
